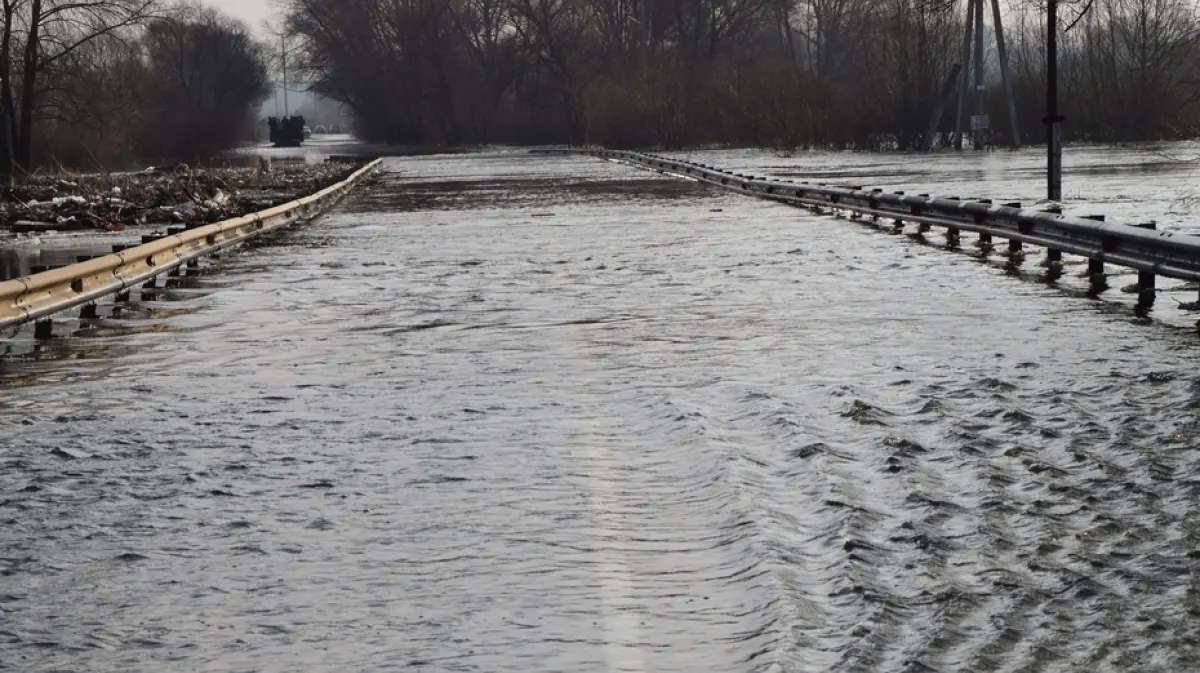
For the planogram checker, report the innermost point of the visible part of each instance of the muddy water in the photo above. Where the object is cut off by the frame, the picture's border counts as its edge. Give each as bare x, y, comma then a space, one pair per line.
513, 413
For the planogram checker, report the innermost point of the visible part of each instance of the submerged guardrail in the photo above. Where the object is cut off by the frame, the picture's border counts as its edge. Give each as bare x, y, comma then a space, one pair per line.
1140, 247
41, 295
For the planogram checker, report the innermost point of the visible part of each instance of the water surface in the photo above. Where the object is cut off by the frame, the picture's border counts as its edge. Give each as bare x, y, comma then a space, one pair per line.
515, 413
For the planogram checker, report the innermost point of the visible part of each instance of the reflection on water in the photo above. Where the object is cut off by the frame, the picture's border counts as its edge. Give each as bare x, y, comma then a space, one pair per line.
254, 159
27, 362
461, 195
581, 426
11, 265
27, 365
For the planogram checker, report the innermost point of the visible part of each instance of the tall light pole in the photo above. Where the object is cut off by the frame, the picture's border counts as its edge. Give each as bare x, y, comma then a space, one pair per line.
1053, 119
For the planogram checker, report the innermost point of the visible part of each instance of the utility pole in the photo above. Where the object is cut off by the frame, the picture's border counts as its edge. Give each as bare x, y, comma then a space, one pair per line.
1053, 119
966, 76
283, 53
980, 87
1005, 75
980, 120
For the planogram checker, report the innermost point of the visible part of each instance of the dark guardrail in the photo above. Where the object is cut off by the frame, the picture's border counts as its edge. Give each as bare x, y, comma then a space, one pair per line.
1140, 247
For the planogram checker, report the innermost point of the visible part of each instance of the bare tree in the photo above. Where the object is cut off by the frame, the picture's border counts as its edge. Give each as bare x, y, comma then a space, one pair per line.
36, 36
839, 73
555, 37
203, 78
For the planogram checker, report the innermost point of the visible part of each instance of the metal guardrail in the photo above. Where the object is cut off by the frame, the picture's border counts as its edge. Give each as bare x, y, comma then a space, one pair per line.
1138, 247
40, 295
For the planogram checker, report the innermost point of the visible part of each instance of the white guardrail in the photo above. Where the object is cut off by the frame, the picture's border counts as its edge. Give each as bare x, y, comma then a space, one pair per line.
40, 295
1139, 247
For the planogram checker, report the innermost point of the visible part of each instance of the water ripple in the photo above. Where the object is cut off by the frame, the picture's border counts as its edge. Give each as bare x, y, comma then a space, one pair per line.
508, 413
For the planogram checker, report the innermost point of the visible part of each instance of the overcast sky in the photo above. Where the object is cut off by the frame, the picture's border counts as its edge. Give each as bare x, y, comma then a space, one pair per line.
251, 11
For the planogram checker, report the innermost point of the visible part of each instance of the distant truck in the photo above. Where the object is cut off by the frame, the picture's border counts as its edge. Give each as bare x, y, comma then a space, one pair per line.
288, 131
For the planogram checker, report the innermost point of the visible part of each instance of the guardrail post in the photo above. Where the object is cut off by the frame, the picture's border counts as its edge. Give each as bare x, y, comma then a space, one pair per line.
1095, 266
1014, 246
1052, 256
921, 227
43, 329
1146, 278
898, 221
1054, 269
88, 312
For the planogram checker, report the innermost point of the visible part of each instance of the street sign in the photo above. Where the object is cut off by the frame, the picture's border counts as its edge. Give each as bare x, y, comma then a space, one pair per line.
980, 122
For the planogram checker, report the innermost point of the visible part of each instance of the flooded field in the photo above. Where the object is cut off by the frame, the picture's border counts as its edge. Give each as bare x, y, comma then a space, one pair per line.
528, 413
1159, 183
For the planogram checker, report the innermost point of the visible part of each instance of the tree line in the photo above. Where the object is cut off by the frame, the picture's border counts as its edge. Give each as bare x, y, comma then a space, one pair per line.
100, 83
778, 73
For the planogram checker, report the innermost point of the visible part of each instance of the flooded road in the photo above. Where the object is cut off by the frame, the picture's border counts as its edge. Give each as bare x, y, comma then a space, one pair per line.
529, 413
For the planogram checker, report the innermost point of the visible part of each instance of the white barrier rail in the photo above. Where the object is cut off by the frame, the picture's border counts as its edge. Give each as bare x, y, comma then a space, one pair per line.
1138, 247
40, 295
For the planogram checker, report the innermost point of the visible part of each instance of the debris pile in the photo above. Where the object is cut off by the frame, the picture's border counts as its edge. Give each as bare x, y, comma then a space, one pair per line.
180, 195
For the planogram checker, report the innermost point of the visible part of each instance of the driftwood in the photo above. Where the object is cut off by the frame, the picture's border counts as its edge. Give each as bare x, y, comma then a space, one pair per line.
180, 195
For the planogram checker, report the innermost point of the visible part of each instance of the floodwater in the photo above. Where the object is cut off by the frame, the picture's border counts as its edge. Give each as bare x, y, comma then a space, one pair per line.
1153, 183
546, 413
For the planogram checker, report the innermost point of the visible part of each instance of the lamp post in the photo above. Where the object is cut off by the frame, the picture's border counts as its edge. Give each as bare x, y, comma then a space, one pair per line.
1053, 119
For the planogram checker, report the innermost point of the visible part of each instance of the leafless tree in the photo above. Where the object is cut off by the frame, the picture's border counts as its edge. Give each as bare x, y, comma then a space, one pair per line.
203, 76
837, 73
37, 36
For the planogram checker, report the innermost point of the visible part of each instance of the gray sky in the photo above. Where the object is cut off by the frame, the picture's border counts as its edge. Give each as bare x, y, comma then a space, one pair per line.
251, 11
